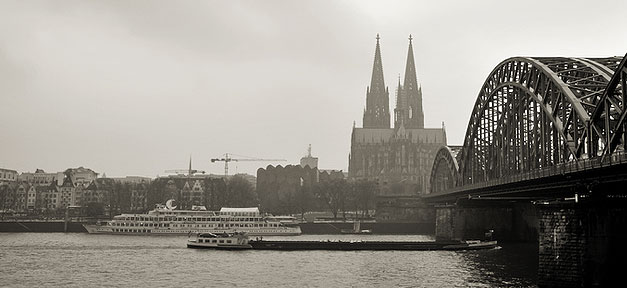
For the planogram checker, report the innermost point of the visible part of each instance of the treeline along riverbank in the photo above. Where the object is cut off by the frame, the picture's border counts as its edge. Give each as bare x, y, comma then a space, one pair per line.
307, 228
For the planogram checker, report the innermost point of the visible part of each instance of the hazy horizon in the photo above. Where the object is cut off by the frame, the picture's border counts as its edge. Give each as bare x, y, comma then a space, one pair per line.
136, 87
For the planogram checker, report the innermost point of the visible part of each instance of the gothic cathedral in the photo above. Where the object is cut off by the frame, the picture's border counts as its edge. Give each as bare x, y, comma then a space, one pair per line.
399, 159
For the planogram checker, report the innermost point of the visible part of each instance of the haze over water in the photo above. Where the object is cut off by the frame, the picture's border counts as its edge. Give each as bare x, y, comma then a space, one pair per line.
87, 260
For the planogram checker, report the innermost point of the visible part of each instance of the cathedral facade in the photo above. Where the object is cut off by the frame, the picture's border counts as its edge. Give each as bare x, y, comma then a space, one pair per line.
398, 158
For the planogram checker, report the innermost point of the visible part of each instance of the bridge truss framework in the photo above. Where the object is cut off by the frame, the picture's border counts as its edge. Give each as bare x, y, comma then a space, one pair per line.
534, 113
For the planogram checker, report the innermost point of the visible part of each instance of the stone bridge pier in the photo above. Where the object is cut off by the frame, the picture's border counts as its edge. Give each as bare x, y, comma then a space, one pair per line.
580, 244
472, 219
583, 244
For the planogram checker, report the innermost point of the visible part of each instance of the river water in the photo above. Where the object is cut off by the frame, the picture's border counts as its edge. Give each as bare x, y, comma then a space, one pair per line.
87, 260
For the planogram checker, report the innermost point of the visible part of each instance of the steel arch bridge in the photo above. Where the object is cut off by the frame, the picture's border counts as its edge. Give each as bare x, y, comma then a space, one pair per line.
533, 113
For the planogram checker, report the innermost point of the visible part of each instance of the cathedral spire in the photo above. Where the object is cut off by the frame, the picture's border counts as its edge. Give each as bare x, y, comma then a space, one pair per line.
377, 114
401, 103
411, 81
377, 84
413, 93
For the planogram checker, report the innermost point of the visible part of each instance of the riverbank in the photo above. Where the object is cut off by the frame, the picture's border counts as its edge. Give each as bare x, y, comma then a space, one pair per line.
41, 226
307, 228
391, 228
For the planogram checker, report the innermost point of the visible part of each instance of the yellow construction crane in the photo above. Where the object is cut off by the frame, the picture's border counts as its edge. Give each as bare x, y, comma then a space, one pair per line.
227, 158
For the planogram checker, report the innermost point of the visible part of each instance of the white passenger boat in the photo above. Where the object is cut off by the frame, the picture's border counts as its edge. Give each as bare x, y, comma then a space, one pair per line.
166, 220
237, 240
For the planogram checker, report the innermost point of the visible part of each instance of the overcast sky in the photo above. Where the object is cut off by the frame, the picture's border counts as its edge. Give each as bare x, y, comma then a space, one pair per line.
136, 87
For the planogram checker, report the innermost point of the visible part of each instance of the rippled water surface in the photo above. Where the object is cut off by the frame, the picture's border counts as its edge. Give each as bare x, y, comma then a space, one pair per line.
84, 260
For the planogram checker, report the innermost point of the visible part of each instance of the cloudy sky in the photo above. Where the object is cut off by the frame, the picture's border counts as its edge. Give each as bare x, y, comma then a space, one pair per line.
136, 87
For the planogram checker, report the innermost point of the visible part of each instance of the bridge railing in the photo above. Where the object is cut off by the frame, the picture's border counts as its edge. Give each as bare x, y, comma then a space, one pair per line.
618, 157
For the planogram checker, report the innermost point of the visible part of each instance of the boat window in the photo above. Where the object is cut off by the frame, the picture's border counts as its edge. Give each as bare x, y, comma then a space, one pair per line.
228, 241
221, 241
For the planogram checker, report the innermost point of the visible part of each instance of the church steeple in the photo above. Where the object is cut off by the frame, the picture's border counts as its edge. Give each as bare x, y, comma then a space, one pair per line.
377, 84
400, 111
414, 117
377, 113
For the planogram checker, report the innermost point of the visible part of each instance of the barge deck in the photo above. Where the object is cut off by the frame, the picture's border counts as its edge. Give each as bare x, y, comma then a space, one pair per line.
371, 245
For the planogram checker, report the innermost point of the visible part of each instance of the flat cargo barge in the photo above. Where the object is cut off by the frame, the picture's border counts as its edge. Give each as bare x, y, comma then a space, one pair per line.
371, 245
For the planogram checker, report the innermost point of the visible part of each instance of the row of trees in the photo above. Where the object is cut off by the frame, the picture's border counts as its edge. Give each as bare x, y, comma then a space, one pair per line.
215, 193
339, 195
335, 195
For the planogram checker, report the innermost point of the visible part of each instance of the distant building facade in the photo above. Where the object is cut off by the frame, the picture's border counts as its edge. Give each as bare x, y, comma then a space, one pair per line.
398, 158
188, 191
139, 197
280, 189
31, 202
21, 196
49, 193
8, 175
81, 176
99, 191
309, 160
132, 180
50, 197
40, 177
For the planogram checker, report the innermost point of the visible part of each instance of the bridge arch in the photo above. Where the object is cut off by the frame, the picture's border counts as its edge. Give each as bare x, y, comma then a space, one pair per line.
444, 174
537, 112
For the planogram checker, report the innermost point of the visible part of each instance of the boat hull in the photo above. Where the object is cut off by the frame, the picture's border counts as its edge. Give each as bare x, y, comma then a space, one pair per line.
219, 247
106, 229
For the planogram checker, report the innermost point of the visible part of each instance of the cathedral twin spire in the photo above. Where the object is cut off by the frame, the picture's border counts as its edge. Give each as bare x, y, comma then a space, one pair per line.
377, 114
408, 111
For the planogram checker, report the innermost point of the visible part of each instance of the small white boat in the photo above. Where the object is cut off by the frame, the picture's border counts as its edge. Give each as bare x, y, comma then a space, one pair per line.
236, 240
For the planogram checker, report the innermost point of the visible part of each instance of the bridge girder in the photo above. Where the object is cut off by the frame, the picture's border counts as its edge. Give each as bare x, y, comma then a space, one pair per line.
537, 112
